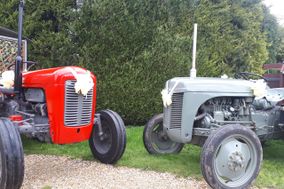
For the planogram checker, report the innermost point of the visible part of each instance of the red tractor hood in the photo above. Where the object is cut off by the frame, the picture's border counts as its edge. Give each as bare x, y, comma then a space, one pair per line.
51, 76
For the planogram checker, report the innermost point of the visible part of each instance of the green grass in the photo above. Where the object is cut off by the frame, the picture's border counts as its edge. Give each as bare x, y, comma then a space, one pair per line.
184, 164
46, 187
272, 171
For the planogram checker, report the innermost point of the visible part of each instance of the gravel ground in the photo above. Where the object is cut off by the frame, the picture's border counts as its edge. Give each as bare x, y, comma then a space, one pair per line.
65, 173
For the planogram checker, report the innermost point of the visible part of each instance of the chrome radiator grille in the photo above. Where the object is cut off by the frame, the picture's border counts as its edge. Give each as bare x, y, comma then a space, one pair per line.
78, 108
176, 110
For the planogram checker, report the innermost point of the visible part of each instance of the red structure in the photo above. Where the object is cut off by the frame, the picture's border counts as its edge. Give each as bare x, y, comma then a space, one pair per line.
274, 74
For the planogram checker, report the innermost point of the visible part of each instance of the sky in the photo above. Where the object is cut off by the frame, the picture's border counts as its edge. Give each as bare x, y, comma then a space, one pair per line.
277, 9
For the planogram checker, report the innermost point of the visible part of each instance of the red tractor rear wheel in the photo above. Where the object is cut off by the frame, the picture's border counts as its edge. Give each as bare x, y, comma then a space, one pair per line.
11, 156
108, 144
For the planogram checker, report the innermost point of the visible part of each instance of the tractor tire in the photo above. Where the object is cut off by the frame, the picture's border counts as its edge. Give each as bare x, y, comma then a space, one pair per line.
109, 147
155, 139
11, 156
231, 157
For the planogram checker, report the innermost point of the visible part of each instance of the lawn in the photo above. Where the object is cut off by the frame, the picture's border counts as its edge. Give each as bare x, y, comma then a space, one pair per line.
184, 164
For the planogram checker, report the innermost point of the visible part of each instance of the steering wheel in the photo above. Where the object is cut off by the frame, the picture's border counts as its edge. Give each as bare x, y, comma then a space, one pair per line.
29, 63
248, 75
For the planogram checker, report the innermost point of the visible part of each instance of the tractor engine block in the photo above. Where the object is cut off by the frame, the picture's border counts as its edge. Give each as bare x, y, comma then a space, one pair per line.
225, 110
34, 122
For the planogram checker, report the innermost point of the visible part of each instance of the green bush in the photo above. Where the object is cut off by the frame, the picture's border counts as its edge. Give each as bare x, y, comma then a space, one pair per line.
134, 46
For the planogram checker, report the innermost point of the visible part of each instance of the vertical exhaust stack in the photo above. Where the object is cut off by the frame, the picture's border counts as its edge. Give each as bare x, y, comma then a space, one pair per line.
19, 59
193, 69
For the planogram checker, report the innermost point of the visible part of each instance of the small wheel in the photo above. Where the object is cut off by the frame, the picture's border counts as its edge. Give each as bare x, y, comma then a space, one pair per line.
231, 157
11, 156
156, 140
109, 145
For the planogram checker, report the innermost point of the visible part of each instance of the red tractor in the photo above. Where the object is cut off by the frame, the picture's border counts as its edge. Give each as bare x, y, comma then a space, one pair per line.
52, 105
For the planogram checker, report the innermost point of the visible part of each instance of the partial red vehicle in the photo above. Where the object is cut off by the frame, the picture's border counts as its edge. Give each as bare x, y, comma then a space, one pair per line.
274, 75
52, 105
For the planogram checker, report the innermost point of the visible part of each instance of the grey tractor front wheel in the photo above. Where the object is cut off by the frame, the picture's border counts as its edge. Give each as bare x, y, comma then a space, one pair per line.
108, 144
231, 157
11, 156
156, 140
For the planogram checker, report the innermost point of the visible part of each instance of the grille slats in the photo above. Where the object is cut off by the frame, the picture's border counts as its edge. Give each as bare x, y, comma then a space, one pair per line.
78, 108
176, 110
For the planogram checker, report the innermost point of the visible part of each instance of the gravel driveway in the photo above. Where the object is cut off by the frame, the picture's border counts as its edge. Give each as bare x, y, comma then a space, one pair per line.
62, 172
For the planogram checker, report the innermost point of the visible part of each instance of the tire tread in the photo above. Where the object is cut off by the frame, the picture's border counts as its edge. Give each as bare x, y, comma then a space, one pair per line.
12, 155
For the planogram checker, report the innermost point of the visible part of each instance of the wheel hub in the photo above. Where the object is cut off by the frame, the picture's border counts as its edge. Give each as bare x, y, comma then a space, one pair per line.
162, 136
236, 161
103, 138
158, 140
232, 159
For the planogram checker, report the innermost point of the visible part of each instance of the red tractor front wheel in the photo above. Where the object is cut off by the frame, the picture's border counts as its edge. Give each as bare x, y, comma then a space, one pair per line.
11, 156
108, 138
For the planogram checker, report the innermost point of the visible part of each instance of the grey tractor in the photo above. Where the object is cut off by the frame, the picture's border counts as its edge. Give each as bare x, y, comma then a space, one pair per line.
228, 118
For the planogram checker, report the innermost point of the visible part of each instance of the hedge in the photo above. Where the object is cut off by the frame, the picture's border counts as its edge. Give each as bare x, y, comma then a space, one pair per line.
135, 46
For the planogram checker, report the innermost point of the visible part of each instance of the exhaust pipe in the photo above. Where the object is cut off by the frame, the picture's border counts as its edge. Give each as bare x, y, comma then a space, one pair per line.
19, 59
193, 68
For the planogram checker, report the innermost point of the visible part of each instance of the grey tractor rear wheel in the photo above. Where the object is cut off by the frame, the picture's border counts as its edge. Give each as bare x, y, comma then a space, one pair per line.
231, 157
108, 147
11, 156
156, 140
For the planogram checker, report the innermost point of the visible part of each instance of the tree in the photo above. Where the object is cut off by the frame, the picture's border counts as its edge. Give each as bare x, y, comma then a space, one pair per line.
230, 36
271, 28
135, 46
47, 24
280, 47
